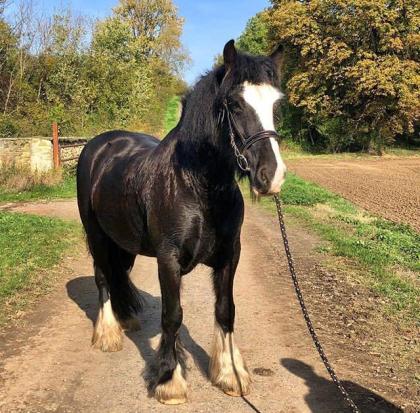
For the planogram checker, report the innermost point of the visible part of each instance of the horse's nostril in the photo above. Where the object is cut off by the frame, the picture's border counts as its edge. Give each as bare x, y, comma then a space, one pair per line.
263, 176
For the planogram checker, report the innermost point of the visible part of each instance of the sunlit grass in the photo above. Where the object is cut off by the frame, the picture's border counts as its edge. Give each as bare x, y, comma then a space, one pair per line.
386, 254
172, 114
30, 247
66, 188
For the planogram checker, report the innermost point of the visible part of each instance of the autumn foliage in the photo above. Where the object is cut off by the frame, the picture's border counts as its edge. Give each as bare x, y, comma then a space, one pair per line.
352, 71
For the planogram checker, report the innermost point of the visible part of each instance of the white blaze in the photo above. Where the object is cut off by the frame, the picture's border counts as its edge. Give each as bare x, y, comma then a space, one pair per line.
262, 98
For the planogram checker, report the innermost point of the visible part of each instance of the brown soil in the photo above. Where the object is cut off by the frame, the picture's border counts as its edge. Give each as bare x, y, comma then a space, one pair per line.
387, 187
47, 364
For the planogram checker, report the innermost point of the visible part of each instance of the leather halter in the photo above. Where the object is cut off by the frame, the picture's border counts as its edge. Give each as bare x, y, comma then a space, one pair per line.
244, 143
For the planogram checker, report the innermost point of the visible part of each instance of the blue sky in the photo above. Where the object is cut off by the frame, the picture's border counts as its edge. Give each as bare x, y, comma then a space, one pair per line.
209, 24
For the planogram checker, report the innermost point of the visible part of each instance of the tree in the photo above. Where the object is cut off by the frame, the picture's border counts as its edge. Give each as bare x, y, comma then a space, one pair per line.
138, 56
254, 39
156, 28
357, 73
120, 73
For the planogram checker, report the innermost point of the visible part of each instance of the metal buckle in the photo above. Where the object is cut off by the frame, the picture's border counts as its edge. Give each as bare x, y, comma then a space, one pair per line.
243, 163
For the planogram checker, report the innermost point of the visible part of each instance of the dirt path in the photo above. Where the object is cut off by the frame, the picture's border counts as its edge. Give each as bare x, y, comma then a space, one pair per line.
387, 187
47, 365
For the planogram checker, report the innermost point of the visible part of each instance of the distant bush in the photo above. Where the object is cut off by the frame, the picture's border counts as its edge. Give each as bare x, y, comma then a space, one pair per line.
8, 128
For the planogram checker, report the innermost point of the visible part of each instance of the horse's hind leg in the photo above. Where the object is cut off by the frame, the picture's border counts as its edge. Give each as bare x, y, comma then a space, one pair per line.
227, 368
107, 333
171, 386
124, 296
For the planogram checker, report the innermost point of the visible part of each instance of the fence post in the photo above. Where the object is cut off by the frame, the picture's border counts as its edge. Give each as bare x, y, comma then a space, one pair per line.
56, 149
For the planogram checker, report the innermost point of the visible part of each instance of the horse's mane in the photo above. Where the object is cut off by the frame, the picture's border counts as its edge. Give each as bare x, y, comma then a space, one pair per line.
201, 105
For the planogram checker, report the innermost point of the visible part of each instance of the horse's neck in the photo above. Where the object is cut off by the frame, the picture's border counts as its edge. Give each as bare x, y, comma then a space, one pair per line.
205, 158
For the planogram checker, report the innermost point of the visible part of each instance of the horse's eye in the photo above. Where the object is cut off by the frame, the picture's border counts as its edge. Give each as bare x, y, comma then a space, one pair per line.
236, 108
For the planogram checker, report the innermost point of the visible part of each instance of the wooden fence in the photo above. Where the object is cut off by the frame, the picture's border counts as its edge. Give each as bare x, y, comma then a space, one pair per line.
66, 150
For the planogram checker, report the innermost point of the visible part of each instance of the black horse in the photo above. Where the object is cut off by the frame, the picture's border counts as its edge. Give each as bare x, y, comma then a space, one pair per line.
178, 200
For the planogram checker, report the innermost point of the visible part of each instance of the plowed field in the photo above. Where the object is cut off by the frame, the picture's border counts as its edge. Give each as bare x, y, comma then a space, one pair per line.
387, 187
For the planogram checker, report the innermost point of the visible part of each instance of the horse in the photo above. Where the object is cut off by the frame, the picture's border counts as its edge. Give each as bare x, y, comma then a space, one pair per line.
178, 200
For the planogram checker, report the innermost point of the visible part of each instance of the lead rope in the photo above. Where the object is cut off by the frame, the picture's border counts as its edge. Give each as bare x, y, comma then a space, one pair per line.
311, 329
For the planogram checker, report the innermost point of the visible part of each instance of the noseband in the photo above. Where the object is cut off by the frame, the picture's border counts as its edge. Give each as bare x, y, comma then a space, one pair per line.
244, 143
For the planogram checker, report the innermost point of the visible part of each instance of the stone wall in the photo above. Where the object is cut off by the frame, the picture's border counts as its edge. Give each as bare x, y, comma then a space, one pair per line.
34, 153
71, 152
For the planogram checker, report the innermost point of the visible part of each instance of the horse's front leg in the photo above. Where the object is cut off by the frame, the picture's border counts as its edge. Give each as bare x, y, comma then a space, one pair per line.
171, 386
227, 368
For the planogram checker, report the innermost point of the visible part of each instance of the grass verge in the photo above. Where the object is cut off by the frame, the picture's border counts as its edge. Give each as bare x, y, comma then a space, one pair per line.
172, 114
387, 255
66, 188
31, 246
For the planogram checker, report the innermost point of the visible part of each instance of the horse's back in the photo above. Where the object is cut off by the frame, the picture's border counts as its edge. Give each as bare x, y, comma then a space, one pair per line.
117, 143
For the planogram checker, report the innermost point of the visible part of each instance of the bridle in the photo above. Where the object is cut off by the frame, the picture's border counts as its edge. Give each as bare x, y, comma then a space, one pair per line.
244, 143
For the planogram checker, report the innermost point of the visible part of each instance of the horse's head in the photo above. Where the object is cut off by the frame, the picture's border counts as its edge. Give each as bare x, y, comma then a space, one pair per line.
249, 93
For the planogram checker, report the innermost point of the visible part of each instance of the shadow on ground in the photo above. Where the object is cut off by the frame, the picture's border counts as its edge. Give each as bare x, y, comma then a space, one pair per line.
319, 388
323, 397
83, 292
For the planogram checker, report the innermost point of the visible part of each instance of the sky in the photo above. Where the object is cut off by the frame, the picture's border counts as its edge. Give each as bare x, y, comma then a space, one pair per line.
209, 24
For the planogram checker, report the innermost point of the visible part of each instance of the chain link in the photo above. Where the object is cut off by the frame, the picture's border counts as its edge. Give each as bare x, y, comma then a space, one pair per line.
311, 329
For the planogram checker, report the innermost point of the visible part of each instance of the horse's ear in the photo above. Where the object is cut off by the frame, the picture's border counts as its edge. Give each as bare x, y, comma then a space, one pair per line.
230, 55
277, 55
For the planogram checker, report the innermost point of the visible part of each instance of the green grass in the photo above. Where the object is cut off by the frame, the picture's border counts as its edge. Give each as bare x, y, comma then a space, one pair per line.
30, 247
172, 114
64, 189
386, 254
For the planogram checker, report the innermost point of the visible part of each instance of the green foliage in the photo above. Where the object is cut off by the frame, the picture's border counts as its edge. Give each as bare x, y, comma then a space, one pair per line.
254, 39
30, 247
118, 73
172, 113
357, 72
8, 128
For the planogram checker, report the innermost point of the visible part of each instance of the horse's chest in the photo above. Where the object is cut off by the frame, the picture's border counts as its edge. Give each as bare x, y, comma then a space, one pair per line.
207, 243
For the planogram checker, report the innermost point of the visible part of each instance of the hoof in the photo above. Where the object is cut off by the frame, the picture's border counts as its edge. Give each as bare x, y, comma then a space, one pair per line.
227, 369
131, 324
108, 342
107, 335
235, 386
174, 391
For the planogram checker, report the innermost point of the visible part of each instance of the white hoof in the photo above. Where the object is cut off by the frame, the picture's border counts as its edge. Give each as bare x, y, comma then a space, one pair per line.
174, 391
107, 335
227, 368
